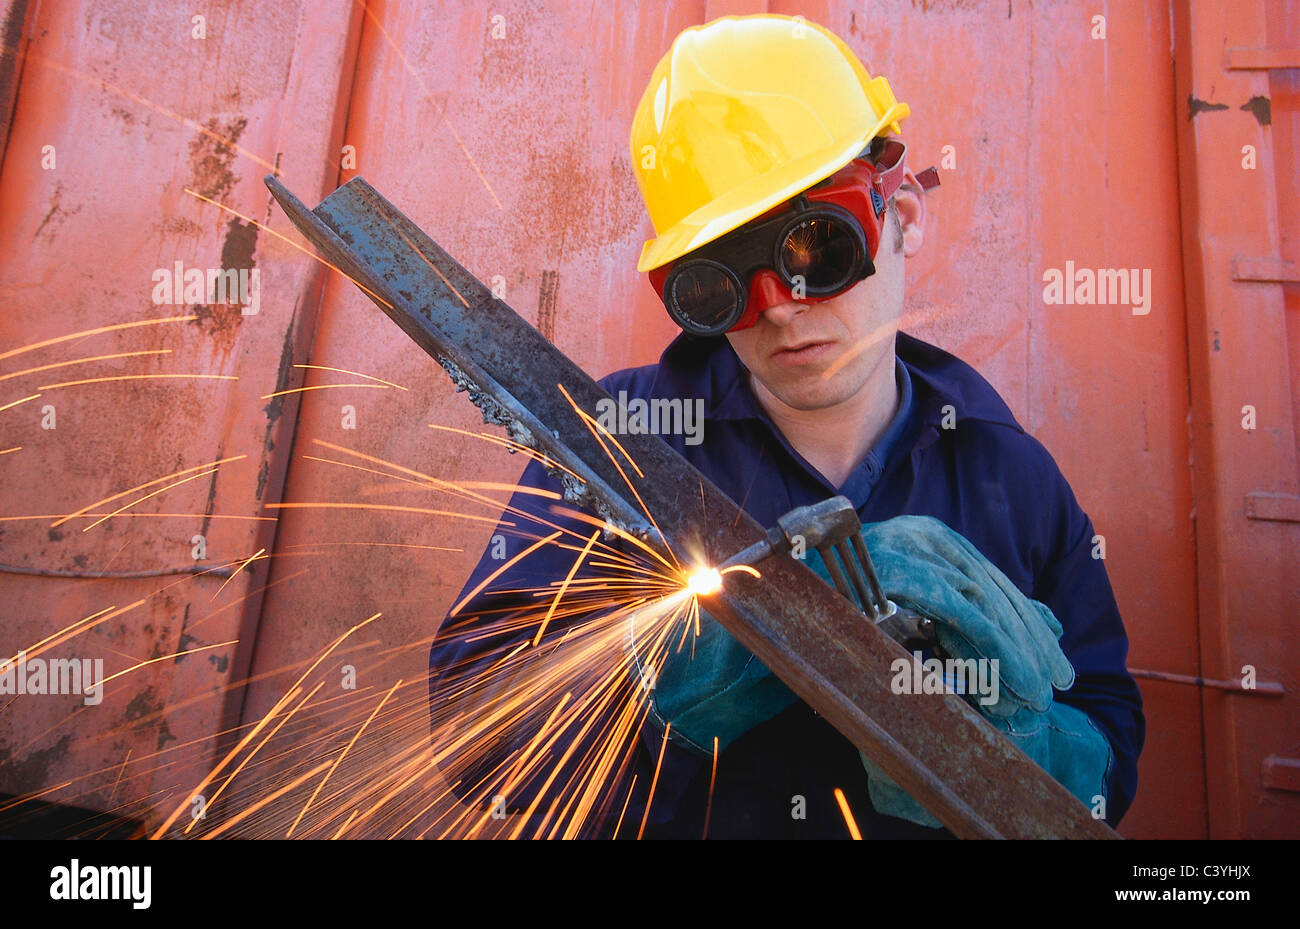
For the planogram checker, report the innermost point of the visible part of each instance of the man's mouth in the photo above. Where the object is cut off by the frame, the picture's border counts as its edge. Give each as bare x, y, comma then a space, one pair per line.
802, 352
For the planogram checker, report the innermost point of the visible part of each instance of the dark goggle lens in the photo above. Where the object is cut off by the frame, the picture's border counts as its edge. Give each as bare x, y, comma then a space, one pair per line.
704, 297
822, 252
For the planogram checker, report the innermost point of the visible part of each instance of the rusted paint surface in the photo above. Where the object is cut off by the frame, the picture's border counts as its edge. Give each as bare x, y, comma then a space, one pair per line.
1241, 200
513, 153
137, 109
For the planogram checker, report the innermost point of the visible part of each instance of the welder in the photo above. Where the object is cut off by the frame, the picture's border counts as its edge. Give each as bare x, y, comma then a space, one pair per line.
773, 168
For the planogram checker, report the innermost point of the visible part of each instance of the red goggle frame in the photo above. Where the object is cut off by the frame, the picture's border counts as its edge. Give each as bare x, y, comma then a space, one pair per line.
810, 248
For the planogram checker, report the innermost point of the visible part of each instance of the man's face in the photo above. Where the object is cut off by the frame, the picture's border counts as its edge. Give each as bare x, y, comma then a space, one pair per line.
810, 356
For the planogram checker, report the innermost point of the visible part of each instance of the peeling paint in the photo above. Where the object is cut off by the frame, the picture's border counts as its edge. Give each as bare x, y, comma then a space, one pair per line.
144, 706
237, 249
546, 304
275, 407
56, 213
212, 496
184, 644
222, 319
34, 766
210, 159
1260, 108
1195, 106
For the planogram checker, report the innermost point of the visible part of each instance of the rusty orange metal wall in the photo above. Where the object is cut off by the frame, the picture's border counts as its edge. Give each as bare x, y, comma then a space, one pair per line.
1238, 72
502, 132
120, 109
512, 153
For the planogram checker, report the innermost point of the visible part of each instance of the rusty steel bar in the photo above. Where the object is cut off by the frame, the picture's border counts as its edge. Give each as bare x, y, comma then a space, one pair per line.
935, 746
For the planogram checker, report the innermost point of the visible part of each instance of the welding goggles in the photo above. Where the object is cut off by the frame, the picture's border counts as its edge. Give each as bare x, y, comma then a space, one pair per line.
810, 248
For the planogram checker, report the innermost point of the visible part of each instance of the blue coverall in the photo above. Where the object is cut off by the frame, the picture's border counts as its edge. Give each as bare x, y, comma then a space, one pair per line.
954, 452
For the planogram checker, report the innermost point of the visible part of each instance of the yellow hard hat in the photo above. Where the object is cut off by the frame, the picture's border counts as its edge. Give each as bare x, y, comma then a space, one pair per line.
742, 114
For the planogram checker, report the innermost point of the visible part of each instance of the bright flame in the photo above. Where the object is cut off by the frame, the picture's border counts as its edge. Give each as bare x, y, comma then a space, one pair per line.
704, 582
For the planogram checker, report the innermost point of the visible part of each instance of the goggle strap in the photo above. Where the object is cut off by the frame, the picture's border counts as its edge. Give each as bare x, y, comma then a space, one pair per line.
890, 178
889, 173
928, 178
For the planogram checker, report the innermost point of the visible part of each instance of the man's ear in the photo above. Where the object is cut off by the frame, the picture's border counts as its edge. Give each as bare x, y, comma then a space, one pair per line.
909, 200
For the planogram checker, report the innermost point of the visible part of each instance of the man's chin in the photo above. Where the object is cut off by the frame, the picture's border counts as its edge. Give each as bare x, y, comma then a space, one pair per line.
807, 393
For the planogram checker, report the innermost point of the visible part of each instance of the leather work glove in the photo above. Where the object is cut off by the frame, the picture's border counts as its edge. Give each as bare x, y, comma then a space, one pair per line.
978, 613
720, 690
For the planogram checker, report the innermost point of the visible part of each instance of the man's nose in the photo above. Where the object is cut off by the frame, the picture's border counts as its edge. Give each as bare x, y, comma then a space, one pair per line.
770, 298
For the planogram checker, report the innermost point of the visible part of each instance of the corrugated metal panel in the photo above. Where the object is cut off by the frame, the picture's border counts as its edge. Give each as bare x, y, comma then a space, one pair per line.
1237, 152
121, 109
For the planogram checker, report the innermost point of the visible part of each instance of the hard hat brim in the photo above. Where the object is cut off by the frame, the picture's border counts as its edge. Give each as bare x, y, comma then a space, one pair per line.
754, 198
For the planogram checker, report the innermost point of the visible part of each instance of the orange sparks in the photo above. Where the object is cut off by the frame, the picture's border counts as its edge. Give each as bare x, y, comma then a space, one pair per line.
907, 321
591, 422
415, 248
26, 797
339, 759
83, 511
713, 779
347, 822
510, 444
88, 332
423, 87
236, 820
439, 484
98, 82
252, 734
34, 650
82, 361
432, 548
644, 509
619, 824
242, 565
76, 629
564, 586
654, 780
200, 515
298, 390
221, 766
499, 571
150, 661
16, 402
345, 371
463, 488
164, 489
260, 745
848, 815
119, 774
377, 506
140, 377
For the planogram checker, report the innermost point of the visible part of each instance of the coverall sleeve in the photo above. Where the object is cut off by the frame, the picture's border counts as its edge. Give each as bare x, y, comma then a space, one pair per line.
1076, 586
